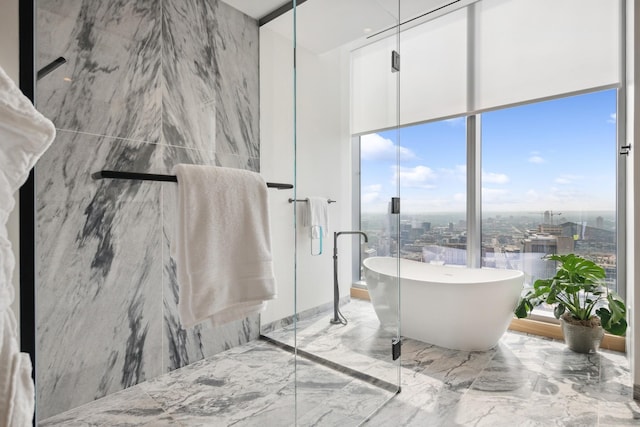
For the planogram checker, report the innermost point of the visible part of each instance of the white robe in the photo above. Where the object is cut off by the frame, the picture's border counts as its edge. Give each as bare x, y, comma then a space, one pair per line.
24, 135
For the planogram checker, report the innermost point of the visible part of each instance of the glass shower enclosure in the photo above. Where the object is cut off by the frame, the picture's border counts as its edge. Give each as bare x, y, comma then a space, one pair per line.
311, 101
146, 85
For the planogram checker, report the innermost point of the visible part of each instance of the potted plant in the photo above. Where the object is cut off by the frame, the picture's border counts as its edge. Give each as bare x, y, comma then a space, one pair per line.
581, 301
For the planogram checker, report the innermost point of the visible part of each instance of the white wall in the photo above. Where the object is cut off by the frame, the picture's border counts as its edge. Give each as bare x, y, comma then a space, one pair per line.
323, 166
276, 162
9, 61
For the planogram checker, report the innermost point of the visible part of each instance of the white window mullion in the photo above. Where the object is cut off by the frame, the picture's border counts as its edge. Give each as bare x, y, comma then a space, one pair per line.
474, 192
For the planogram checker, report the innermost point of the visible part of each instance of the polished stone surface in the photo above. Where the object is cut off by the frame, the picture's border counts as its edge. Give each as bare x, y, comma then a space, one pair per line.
257, 384
146, 85
524, 381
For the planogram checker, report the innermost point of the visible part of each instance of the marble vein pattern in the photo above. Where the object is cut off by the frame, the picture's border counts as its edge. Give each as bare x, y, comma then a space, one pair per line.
188, 72
280, 324
146, 85
99, 284
360, 345
249, 385
524, 381
110, 84
236, 56
210, 101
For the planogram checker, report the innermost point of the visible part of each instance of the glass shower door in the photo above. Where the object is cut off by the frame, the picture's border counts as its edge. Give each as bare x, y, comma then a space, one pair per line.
344, 337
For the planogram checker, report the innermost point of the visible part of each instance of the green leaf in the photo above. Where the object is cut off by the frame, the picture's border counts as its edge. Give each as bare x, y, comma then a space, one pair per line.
521, 310
605, 317
611, 322
618, 328
577, 287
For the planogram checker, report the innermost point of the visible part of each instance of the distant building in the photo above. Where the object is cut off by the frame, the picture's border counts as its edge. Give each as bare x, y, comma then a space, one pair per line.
542, 243
552, 229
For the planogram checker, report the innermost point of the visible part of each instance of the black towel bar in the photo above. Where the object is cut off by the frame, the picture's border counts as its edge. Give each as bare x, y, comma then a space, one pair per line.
158, 177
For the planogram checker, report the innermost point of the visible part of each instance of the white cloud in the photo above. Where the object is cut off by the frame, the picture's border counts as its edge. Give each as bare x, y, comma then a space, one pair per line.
369, 197
458, 173
375, 147
460, 197
494, 178
374, 198
372, 188
567, 179
612, 118
493, 195
536, 159
371, 193
417, 176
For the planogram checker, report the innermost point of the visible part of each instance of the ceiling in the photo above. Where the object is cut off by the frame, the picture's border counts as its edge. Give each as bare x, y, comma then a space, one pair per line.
256, 8
323, 25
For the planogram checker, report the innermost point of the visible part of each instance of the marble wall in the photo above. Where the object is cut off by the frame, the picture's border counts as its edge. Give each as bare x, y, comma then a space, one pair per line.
147, 84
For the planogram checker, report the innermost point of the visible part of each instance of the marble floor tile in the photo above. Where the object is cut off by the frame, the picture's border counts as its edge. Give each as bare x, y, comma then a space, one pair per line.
130, 407
523, 381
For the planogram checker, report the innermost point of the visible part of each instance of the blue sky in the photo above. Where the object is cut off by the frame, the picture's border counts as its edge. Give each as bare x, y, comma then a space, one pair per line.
554, 155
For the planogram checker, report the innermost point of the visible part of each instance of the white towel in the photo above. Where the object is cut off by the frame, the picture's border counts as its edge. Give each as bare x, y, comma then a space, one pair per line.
222, 244
316, 216
24, 135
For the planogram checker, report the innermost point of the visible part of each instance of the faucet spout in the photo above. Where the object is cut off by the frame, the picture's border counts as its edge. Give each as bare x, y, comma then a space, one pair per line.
366, 239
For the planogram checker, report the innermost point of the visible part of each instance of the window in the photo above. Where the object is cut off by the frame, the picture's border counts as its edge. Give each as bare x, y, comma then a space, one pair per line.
432, 175
548, 168
548, 186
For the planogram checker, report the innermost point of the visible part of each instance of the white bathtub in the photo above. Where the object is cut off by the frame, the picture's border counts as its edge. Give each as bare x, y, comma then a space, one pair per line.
449, 306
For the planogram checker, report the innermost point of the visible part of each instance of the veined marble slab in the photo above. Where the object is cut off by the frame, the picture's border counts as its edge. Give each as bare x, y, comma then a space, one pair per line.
524, 381
188, 75
110, 84
210, 78
99, 279
146, 85
249, 385
236, 55
130, 407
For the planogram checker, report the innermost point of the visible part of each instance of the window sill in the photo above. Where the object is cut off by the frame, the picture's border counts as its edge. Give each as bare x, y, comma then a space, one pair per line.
553, 330
360, 293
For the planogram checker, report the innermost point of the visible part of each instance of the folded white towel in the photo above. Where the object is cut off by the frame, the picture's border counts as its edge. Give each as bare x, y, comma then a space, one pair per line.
222, 244
316, 216
16, 386
24, 135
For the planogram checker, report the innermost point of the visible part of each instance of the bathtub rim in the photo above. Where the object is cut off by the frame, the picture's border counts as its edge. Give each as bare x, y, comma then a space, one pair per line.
482, 278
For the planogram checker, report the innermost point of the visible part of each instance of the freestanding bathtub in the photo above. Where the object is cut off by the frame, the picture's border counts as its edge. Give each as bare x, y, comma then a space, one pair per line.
450, 306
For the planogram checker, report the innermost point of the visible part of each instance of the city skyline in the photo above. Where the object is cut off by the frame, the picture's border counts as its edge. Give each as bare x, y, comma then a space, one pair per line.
557, 155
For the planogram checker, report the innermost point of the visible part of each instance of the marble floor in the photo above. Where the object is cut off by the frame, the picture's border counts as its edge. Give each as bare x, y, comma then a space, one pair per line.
524, 381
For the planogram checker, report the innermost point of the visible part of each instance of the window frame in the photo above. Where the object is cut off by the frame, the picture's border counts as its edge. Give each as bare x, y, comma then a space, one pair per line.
474, 190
